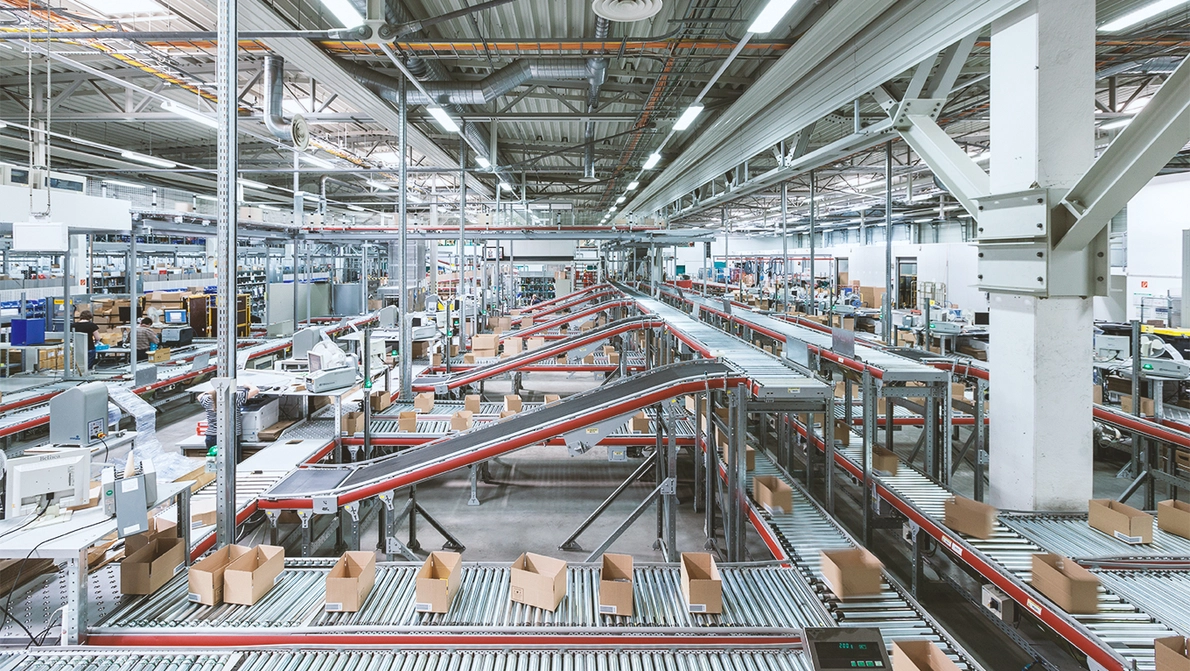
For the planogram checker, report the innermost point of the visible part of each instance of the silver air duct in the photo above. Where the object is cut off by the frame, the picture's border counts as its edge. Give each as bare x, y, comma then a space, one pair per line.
295, 130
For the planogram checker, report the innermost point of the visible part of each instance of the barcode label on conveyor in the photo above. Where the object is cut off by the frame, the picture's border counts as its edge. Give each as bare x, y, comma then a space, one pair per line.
192, 597
1033, 606
698, 608
332, 607
593, 430
422, 607
610, 610
1131, 540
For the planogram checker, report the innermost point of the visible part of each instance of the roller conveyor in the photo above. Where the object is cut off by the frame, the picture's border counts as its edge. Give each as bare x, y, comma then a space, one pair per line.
1071, 536
1164, 594
352, 482
554, 325
773, 658
758, 601
493, 367
567, 301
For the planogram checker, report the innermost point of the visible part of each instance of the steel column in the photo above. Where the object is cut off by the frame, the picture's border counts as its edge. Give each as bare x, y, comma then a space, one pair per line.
228, 110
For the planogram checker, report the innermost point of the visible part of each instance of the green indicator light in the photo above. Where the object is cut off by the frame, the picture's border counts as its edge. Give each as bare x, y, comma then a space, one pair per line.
1147, 366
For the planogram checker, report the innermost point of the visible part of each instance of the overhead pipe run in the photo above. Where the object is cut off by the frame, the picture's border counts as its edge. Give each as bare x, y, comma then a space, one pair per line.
296, 129
481, 92
598, 74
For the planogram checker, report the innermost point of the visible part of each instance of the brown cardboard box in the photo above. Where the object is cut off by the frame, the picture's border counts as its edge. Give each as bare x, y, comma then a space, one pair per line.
749, 455
158, 528
842, 432
407, 422
348, 583
420, 349
483, 354
1173, 517
534, 343
469, 358
147, 569
506, 413
1120, 521
513, 402
438, 582
640, 422
615, 585
159, 355
512, 345
206, 576
353, 423
1070, 586
920, 655
253, 574
203, 513
472, 403
526, 322
462, 420
701, 584
538, 581
1146, 405
852, 572
884, 461
436, 360
1097, 394
1171, 654
772, 493
485, 341
380, 399
551, 398
969, 517
589, 359
614, 358
424, 402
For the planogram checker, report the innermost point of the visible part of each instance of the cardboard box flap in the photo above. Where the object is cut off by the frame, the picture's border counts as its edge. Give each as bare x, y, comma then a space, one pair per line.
615, 585
350, 581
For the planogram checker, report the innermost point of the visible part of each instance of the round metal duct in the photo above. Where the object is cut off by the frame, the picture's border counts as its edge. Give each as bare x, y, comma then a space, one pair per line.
625, 11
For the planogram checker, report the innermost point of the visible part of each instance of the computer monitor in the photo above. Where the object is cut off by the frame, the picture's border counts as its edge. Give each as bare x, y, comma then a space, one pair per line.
62, 477
983, 318
176, 317
315, 361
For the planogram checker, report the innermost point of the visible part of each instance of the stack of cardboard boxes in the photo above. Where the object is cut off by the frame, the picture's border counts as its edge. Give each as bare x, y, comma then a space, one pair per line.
484, 346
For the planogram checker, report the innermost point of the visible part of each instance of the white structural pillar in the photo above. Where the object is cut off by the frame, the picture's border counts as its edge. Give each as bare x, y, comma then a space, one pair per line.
1042, 135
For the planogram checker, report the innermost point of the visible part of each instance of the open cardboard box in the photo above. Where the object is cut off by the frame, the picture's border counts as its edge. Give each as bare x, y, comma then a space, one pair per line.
884, 461
353, 423
380, 400
1171, 654
701, 585
640, 422
424, 402
251, 576
438, 582
513, 402
152, 565
851, 572
772, 493
615, 585
920, 655
1073, 588
969, 517
350, 580
551, 398
1173, 517
472, 403
407, 421
1120, 521
461, 420
538, 581
206, 576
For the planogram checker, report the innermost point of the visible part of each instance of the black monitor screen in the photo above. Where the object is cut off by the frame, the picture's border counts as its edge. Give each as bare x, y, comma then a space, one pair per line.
982, 318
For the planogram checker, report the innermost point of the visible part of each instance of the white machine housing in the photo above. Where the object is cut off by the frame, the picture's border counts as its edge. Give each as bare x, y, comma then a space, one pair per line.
64, 476
257, 417
78, 416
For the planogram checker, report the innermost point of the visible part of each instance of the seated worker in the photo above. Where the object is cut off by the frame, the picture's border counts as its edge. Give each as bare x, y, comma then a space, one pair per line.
145, 336
207, 401
85, 325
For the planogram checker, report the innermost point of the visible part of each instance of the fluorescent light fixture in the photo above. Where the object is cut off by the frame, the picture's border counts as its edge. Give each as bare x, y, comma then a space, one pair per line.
319, 162
448, 124
147, 19
3, 124
483, 162
1140, 15
193, 115
343, 10
923, 220
506, 186
621, 199
254, 185
770, 15
652, 161
1118, 123
613, 208
379, 186
113, 8
201, 196
127, 185
150, 160
355, 208
688, 117
633, 185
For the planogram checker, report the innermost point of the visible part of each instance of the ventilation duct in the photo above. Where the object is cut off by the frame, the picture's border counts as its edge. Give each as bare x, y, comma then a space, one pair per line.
473, 93
295, 130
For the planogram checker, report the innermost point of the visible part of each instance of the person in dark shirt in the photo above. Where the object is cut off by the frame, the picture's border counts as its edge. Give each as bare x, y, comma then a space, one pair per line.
145, 337
85, 325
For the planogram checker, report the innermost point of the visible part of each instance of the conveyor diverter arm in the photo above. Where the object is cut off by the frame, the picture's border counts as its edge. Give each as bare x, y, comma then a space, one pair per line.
353, 482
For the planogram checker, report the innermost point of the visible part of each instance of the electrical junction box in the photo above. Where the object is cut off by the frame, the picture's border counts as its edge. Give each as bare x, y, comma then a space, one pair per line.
998, 603
78, 416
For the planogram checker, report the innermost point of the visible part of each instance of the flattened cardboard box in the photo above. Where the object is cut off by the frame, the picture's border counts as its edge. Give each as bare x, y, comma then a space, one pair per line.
253, 574
1073, 588
852, 572
701, 584
537, 580
1120, 521
615, 585
438, 582
1171, 654
1173, 517
350, 580
772, 493
969, 517
920, 655
206, 576
150, 567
